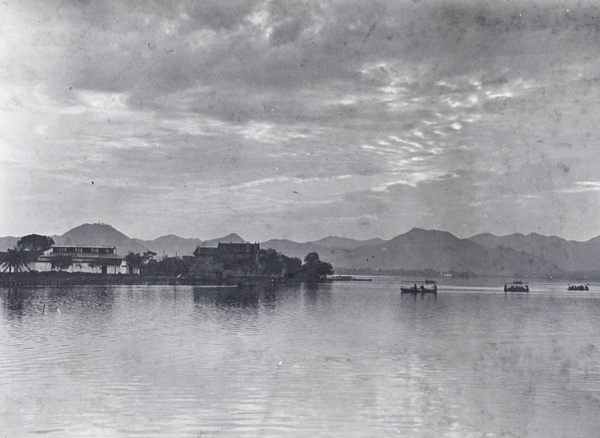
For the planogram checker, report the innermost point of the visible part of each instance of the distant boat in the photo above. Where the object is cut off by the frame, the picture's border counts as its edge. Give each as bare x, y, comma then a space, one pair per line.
418, 289
516, 286
578, 287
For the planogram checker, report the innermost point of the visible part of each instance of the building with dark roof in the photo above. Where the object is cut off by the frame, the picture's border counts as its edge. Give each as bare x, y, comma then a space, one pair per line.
227, 259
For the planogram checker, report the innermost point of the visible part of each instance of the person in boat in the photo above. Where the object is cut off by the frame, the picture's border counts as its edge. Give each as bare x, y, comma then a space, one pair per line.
422, 287
415, 287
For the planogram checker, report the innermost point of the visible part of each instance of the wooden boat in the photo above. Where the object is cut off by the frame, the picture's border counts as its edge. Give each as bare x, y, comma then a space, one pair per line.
578, 287
418, 289
516, 286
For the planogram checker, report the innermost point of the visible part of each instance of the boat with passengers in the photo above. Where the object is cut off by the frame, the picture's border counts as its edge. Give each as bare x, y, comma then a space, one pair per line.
516, 286
578, 287
417, 289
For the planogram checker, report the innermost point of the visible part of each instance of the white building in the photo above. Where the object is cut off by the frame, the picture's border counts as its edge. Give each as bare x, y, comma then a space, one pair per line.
78, 258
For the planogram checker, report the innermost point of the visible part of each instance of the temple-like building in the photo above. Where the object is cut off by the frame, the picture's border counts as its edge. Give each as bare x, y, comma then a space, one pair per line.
227, 259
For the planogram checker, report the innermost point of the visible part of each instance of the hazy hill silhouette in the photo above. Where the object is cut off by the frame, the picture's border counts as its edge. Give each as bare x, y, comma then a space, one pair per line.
100, 234
230, 238
8, 242
424, 249
345, 243
442, 251
568, 255
418, 249
171, 245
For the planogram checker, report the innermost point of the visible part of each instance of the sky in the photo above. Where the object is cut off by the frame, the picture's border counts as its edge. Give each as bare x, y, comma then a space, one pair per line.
300, 120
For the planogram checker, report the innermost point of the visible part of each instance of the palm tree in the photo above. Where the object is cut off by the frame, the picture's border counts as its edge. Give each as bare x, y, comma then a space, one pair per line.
15, 260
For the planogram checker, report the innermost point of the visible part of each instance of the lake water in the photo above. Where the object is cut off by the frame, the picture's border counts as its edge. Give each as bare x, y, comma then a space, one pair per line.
340, 359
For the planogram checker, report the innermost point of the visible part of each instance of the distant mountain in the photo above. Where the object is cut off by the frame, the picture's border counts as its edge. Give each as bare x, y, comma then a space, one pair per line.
419, 250
300, 250
333, 242
330, 248
568, 255
515, 255
100, 234
230, 238
289, 247
171, 245
442, 251
8, 242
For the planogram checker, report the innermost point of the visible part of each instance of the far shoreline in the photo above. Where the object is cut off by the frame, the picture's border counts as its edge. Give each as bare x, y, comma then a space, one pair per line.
54, 278
81, 279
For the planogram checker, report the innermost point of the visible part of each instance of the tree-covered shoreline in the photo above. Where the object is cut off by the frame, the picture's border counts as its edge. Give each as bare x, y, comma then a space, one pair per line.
227, 263
270, 265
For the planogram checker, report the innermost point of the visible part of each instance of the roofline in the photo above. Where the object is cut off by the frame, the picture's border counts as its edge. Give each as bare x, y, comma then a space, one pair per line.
85, 246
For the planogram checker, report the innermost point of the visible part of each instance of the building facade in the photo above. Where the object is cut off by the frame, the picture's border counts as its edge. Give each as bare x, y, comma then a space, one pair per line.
227, 259
79, 258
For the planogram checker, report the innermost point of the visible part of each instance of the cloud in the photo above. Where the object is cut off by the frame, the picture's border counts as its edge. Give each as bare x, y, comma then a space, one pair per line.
388, 113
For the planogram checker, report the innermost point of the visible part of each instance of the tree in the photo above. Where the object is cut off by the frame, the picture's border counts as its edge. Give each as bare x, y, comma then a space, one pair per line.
291, 264
273, 263
313, 268
270, 262
15, 260
35, 242
61, 262
312, 259
170, 266
139, 261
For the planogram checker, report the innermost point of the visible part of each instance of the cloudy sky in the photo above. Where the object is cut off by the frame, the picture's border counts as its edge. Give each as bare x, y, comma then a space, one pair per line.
299, 120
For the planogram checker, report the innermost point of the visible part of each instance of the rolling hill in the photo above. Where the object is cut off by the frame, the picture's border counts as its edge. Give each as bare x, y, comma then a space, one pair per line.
424, 249
442, 251
345, 243
100, 234
568, 255
230, 238
171, 245
8, 242
515, 255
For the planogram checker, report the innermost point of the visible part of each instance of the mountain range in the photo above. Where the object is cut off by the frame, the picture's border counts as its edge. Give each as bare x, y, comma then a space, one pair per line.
515, 255
426, 249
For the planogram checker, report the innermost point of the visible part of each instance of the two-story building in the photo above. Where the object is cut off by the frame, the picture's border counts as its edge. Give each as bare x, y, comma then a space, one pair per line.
227, 259
82, 258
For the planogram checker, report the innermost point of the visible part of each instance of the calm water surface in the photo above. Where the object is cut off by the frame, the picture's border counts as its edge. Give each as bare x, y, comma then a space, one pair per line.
342, 359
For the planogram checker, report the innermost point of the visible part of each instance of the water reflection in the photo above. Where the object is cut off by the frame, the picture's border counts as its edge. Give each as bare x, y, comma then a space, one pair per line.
418, 297
225, 298
348, 359
19, 302
316, 295
248, 299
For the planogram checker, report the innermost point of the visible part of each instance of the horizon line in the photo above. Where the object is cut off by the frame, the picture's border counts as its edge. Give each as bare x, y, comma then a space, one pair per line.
309, 241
